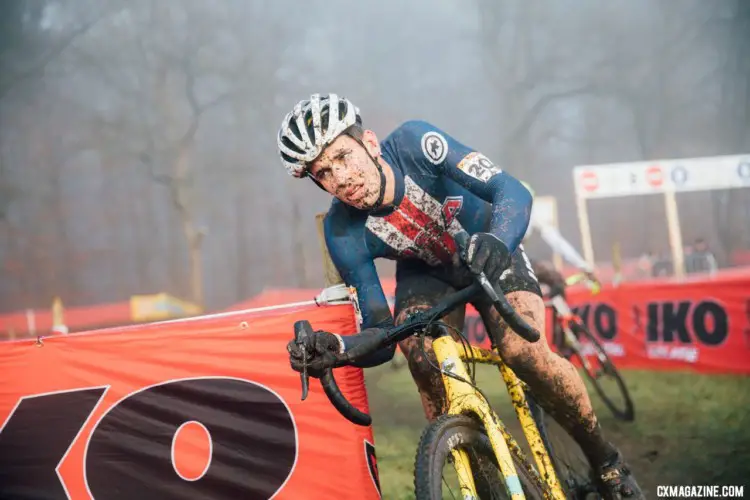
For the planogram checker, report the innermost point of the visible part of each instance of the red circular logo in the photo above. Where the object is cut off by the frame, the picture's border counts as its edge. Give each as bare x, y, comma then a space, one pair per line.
589, 181
654, 176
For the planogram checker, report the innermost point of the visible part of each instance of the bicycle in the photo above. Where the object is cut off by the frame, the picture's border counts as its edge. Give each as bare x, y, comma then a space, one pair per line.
568, 330
488, 462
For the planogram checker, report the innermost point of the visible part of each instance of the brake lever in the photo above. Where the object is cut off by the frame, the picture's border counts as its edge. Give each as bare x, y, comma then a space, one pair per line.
487, 286
304, 377
303, 339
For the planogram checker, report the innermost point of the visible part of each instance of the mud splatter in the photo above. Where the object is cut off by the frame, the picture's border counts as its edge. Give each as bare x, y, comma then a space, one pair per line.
553, 380
427, 379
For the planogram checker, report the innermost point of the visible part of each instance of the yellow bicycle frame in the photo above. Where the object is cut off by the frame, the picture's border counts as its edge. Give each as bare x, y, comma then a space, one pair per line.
463, 399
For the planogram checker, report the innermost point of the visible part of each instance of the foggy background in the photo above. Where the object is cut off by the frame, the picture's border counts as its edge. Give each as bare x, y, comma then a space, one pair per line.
138, 139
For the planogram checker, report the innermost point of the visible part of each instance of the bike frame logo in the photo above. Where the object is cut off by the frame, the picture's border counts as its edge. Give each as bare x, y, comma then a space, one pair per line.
56, 443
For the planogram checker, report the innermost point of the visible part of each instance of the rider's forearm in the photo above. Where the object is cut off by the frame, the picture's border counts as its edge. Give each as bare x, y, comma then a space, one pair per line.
375, 358
511, 211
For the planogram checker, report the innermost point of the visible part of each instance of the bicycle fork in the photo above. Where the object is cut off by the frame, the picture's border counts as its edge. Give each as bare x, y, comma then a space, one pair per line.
531, 431
465, 399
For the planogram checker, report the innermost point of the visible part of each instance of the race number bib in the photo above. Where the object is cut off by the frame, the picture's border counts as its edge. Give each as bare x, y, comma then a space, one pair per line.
478, 166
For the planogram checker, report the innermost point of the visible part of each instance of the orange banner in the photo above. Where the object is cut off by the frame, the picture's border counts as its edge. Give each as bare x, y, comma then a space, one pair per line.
198, 408
702, 325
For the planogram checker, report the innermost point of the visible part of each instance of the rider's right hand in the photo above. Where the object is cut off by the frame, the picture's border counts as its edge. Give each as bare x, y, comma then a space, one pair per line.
327, 351
487, 254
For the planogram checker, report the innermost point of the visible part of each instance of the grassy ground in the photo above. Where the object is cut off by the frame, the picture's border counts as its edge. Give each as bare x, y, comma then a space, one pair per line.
689, 429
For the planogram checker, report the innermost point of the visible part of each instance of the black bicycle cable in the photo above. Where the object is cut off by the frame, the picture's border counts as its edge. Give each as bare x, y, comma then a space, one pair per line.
446, 372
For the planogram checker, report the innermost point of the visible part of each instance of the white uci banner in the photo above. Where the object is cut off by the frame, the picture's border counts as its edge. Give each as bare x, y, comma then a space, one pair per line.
661, 176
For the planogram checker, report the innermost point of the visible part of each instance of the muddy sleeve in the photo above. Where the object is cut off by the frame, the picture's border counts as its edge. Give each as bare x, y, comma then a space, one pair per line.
356, 265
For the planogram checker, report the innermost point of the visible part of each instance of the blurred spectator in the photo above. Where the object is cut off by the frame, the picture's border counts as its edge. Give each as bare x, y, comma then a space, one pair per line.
645, 265
687, 251
662, 266
701, 259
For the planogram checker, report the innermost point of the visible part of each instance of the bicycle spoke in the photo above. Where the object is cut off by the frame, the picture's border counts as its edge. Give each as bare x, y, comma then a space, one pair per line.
449, 488
608, 382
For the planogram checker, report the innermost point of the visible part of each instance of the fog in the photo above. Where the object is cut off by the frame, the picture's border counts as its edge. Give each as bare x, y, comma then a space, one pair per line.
138, 139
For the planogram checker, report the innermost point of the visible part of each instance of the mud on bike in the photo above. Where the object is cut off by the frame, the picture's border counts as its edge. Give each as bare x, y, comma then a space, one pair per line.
573, 340
468, 452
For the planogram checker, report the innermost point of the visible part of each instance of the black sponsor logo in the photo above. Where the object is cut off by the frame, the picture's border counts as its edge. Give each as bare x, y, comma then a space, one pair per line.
600, 318
129, 450
687, 322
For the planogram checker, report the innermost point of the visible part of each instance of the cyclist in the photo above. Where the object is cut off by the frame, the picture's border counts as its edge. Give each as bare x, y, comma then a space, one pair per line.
545, 272
404, 198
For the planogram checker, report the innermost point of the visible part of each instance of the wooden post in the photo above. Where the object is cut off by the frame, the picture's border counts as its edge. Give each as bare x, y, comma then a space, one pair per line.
58, 319
617, 262
31, 322
330, 272
556, 257
583, 221
675, 235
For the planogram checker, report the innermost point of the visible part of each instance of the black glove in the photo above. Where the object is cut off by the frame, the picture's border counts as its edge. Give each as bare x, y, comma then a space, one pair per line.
486, 253
325, 352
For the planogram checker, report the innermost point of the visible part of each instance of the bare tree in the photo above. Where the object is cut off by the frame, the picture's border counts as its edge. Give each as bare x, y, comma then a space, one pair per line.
127, 141
30, 24
171, 64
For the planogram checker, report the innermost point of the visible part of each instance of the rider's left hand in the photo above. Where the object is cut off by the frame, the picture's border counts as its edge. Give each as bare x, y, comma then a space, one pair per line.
326, 352
486, 253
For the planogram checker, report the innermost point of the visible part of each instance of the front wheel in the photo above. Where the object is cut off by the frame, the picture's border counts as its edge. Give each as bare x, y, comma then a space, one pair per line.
448, 433
602, 373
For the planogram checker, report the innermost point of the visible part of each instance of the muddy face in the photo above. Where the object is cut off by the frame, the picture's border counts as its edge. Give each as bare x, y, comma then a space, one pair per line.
345, 170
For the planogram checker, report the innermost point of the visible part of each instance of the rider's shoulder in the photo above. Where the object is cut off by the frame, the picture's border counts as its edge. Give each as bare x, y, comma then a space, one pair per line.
420, 144
412, 130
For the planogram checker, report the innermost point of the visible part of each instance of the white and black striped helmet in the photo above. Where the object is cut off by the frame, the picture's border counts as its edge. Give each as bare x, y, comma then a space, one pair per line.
310, 127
